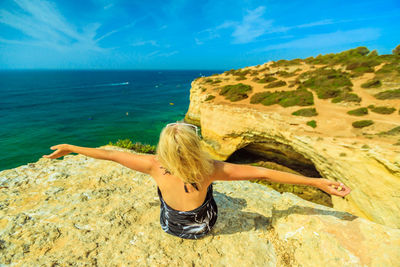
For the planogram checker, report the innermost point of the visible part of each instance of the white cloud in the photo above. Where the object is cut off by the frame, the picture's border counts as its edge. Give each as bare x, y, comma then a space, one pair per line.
115, 31
251, 27
329, 39
315, 23
148, 42
45, 25
158, 53
206, 35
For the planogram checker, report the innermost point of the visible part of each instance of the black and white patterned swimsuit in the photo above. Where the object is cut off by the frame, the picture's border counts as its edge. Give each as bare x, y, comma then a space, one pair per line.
191, 224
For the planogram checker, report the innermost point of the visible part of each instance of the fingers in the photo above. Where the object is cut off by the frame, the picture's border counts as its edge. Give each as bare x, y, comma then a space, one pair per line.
50, 155
335, 183
339, 189
344, 192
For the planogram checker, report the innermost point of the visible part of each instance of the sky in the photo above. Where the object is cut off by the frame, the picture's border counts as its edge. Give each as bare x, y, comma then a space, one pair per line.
186, 34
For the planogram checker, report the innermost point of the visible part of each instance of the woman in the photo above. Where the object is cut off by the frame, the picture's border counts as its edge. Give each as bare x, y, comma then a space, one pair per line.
184, 174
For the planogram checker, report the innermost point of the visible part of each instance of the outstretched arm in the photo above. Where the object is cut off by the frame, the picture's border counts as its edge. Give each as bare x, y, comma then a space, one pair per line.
65, 149
141, 163
230, 172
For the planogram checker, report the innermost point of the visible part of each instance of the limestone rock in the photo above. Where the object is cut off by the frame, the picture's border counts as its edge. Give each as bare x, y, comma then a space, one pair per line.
372, 171
83, 211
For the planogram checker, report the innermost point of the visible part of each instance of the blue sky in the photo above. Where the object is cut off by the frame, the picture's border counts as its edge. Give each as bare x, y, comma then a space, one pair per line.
183, 34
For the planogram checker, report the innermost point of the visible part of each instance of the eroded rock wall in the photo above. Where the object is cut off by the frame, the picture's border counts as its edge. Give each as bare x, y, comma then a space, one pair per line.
373, 173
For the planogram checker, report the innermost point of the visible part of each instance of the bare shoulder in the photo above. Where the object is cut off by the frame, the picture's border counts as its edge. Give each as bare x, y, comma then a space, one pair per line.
144, 163
225, 171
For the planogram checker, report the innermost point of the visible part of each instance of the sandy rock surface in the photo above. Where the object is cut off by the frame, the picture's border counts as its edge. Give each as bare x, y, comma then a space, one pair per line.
81, 211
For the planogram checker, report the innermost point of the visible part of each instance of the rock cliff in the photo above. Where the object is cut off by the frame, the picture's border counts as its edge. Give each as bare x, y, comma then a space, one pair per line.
82, 211
367, 159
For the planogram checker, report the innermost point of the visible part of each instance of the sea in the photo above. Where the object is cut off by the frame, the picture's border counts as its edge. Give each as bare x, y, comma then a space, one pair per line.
90, 108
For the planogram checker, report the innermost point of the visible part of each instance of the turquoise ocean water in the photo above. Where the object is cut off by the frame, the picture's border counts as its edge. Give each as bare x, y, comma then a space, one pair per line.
39, 109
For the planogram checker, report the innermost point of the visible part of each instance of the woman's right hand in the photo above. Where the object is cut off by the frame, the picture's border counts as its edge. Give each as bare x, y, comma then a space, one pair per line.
62, 150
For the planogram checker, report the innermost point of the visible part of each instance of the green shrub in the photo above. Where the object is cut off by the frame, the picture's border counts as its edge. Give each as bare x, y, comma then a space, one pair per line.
298, 97
312, 123
388, 94
359, 66
235, 92
393, 131
345, 57
278, 83
373, 53
346, 97
396, 51
138, 147
306, 112
238, 72
240, 78
285, 63
382, 110
210, 97
267, 79
327, 83
393, 67
359, 71
211, 81
362, 123
374, 83
286, 74
358, 112
254, 72
264, 69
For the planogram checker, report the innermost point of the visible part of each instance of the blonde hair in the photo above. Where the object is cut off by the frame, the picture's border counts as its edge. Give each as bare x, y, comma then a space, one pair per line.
179, 151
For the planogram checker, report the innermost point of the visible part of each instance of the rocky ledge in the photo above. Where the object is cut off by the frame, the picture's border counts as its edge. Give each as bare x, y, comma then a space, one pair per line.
81, 211
257, 110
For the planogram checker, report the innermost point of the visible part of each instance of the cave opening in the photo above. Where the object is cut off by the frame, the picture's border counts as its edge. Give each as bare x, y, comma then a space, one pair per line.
277, 156
293, 160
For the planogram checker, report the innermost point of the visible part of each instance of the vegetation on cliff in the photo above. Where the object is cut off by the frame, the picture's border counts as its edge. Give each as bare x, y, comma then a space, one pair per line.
356, 82
306, 112
388, 94
381, 109
358, 112
235, 92
327, 83
298, 97
362, 123
138, 147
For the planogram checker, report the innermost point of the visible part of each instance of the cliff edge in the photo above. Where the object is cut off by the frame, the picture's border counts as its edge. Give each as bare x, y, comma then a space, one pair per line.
83, 211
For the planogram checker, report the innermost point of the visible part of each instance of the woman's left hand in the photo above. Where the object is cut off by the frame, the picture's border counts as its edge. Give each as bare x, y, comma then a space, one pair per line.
333, 188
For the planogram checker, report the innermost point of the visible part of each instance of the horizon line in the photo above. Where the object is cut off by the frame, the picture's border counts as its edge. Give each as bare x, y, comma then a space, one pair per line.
47, 69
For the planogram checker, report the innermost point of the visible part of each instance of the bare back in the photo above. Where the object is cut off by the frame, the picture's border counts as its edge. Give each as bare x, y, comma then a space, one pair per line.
173, 192
172, 188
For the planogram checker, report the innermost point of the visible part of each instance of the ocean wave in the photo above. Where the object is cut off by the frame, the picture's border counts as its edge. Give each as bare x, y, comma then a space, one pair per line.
101, 85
